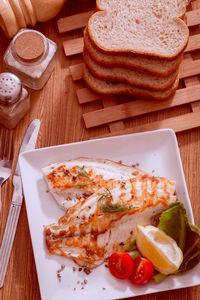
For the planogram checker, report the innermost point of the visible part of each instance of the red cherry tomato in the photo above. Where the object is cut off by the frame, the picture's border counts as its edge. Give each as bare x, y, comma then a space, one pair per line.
142, 272
120, 265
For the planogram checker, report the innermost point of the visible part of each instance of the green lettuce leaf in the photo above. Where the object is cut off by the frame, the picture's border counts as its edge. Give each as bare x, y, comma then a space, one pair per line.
130, 246
174, 222
191, 254
135, 254
158, 277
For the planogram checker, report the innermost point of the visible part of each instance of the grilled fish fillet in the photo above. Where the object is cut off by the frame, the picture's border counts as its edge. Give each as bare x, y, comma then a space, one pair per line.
96, 227
75, 180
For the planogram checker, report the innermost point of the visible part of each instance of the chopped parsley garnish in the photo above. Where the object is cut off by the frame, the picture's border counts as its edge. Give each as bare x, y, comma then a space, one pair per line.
106, 195
109, 207
130, 246
82, 172
81, 185
113, 208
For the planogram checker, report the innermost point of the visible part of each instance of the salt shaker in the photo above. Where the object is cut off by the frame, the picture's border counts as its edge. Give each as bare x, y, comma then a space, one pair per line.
31, 56
14, 100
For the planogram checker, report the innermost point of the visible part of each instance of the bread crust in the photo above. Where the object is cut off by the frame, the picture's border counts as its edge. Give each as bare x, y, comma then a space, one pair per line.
175, 22
133, 77
187, 2
110, 88
152, 65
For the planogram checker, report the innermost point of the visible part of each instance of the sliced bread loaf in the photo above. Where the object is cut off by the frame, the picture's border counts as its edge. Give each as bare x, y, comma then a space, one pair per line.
148, 27
105, 87
174, 8
162, 67
134, 77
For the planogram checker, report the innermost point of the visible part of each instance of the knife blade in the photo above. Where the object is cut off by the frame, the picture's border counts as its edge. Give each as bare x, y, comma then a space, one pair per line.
28, 143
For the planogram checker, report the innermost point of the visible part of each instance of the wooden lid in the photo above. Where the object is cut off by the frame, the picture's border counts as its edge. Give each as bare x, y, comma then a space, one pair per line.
29, 46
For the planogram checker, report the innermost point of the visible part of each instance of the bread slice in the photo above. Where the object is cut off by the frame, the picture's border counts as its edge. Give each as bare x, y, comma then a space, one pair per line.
105, 87
162, 67
147, 27
133, 77
175, 8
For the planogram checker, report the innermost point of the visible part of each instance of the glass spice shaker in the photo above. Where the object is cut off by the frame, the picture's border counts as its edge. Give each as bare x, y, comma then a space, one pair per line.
31, 56
14, 100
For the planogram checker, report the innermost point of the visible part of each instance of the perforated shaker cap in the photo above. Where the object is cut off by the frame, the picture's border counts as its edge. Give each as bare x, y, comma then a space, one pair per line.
10, 88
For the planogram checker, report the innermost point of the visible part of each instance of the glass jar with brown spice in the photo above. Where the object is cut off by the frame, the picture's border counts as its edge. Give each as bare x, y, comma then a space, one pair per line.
31, 56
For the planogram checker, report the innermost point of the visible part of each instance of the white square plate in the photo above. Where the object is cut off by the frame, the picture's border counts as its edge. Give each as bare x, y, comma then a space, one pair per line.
155, 151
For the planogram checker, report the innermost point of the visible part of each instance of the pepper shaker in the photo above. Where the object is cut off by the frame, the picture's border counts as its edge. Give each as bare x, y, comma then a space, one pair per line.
14, 100
31, 56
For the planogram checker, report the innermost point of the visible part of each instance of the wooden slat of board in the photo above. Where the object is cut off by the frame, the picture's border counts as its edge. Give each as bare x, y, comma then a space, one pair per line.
178, 124
86, 95
194, 80
109, 101
193, 43
74, 46
193, 17
191, 81
76, 71
73, 22
189, 68
139, 107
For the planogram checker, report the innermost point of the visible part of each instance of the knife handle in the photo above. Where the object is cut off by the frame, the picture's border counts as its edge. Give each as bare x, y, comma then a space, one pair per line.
17, 194
8, 239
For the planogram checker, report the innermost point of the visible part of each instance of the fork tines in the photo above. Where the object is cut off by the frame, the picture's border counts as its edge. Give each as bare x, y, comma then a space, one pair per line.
6, 142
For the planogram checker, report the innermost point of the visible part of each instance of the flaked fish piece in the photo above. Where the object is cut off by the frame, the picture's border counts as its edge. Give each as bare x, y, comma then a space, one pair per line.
75, 180
99, 225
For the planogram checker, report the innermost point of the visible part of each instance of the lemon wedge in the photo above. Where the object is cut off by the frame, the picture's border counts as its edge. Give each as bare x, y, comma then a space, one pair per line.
159, 248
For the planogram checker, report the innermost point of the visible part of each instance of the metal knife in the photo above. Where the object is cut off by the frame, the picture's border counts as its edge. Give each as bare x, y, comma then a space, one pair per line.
28, 143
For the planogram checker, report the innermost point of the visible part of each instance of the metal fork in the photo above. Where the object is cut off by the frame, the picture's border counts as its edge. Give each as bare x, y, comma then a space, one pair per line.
6, 156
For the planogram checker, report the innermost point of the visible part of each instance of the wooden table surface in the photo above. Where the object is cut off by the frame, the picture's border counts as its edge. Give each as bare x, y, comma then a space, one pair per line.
61, 122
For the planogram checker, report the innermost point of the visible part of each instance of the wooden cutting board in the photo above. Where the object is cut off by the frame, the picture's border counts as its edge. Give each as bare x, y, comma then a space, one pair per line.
115, 111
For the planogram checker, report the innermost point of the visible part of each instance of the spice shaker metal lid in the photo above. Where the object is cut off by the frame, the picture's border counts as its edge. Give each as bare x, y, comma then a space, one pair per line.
10, 88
